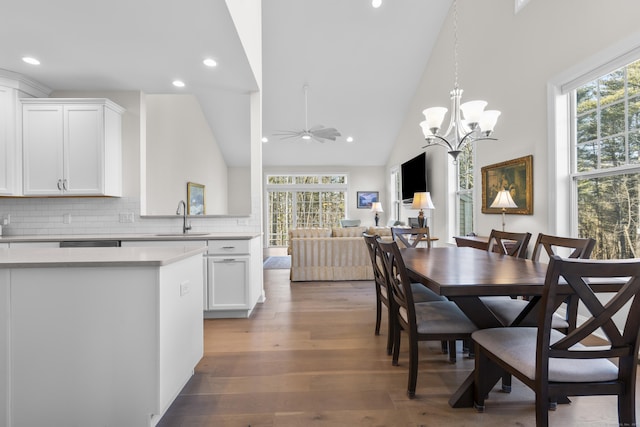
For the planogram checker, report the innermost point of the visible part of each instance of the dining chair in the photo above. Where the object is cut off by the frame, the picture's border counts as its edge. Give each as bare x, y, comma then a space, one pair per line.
509, 243
509, 310
411, 237
425, 321
554, 364
421, 293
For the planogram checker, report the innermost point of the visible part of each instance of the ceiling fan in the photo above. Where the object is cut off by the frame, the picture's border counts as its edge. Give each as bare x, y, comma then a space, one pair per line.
317, 133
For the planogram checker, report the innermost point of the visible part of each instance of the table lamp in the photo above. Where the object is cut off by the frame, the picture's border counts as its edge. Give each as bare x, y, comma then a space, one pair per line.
422, 201
376, 207
503, 200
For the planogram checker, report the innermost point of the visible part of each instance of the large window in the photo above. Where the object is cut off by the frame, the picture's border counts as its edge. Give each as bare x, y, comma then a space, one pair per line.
464, 191
606, 162
296, 201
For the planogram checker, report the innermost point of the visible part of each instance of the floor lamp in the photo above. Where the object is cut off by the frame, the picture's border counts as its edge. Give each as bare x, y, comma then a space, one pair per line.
503, 200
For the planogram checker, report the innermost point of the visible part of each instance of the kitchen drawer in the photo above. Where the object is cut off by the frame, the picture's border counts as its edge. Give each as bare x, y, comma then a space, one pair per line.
217, 247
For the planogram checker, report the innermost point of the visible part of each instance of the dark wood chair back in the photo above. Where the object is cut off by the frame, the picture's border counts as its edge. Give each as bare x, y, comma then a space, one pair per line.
382, 288
549, 245
578, 369
411, 237
508, 243
397, 278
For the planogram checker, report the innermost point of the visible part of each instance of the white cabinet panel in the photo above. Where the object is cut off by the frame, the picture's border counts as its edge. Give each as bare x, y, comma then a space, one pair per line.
43, 138
227, 282
12, 89
72, 147
83, 149
7, 140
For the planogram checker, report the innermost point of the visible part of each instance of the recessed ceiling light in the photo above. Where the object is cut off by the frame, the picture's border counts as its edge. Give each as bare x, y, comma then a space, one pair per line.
265, 139
349, 139
210, 62
30, 60
376, 3
178, 83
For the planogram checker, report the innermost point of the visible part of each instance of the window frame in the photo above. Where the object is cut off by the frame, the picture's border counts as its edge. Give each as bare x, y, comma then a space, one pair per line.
294, 188
562, 188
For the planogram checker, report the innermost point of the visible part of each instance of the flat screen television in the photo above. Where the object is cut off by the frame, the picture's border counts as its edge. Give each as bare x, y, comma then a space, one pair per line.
413, 174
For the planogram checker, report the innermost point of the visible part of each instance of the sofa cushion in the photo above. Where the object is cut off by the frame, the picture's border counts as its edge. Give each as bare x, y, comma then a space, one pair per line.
379, 231
309, 232
348, 232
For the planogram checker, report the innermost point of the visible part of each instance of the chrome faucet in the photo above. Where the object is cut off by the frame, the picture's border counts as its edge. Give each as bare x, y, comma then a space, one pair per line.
186, 226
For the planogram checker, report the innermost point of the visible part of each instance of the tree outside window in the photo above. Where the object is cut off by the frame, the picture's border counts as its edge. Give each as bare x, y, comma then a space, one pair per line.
606, 170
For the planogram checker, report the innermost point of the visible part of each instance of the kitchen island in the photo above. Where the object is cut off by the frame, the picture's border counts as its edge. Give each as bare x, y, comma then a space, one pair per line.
97, 336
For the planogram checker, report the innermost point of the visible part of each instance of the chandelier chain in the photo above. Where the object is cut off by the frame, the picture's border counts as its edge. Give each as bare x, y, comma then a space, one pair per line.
455, 44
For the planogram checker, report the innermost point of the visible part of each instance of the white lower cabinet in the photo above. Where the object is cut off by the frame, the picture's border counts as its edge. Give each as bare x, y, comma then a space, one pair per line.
227, 283
232, 286
229, 291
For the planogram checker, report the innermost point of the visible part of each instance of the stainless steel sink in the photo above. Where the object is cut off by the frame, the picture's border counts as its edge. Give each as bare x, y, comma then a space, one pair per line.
180, 234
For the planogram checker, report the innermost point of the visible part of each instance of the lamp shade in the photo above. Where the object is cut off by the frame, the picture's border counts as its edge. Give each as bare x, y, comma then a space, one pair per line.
376, 207
504, 200
422, 200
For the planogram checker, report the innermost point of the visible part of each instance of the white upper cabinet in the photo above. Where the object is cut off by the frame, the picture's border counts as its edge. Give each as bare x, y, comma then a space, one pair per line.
13, 86
72, 147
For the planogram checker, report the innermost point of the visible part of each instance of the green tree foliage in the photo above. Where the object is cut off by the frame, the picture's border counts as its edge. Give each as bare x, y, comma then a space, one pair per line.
302, 205
608, 137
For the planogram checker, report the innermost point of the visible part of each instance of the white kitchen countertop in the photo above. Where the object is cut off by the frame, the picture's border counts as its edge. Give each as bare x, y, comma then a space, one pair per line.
95, 257
131, 236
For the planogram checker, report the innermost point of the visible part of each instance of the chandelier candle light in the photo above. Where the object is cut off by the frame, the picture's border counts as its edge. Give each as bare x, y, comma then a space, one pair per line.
503, 200
376, 207
422, 201
469, 121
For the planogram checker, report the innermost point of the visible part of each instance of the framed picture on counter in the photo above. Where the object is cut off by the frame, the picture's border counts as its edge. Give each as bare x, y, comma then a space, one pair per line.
195, 195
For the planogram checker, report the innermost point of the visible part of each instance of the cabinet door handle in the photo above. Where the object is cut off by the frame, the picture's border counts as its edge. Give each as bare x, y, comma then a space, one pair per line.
228, 247
64, 184
59, 184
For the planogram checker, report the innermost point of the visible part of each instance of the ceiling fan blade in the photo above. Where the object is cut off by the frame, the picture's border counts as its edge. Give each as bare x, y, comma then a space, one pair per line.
289, 133
290, 137
327, 133
317, 139
316, 128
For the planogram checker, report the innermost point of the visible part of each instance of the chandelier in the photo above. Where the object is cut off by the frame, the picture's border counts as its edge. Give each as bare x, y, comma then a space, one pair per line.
469, 121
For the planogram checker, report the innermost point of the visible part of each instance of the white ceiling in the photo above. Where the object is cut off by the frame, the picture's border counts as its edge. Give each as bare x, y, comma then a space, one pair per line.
362, 64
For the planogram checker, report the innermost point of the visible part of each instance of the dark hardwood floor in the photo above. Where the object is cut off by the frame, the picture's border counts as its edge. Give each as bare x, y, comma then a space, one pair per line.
308, 357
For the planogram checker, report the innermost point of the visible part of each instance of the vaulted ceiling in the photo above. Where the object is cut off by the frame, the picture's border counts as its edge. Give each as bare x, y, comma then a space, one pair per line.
361, 64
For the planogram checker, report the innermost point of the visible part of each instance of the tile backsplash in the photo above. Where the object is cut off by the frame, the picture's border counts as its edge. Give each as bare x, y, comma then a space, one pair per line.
88, 215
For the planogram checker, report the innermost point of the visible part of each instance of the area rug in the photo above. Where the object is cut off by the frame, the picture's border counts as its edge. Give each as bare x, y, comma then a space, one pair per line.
277, 262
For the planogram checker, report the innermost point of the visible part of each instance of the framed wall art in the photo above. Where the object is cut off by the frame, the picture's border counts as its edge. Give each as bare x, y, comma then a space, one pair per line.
366, 198
516, 176
195, 195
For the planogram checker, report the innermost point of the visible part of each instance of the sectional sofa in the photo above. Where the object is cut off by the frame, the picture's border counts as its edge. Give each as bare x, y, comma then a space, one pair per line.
328, 254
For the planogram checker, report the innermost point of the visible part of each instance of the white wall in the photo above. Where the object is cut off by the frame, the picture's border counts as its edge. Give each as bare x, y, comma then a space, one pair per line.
239, 190
181, 148
508, 59
366, 178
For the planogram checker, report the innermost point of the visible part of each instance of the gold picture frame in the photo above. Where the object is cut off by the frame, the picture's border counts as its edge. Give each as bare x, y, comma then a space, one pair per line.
514, 175
195, 196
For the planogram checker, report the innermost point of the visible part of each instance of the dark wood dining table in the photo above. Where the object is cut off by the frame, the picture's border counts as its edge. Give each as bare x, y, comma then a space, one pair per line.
464, 274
